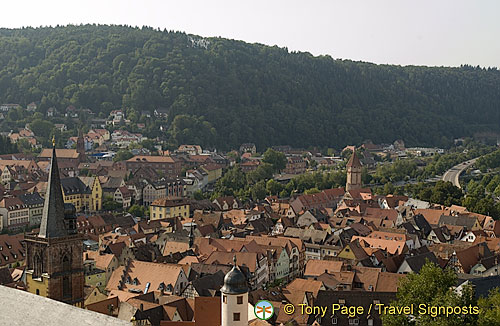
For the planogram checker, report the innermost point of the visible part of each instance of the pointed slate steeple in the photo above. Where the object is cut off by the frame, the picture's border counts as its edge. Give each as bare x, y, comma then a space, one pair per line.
52, 225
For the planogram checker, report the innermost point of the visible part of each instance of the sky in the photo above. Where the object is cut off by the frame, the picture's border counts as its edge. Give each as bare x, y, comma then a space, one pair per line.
404, 32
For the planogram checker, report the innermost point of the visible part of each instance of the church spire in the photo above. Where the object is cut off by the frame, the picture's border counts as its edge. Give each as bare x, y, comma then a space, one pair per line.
80, 143
52, 225
191, 236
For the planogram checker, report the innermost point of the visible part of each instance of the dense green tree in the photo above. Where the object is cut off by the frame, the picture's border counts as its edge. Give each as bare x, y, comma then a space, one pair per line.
489, 161
446, 193
232, 181
263, 172
312, 191
425, 194
192, 129
246, 92
108, 204
493, 184
273, 187
122, 155
258, 190
198, 195
389, 188
284, 194
41, 128
6, 147
137, 210
275, 158
149, 144
432, 286
489, 309
496, 192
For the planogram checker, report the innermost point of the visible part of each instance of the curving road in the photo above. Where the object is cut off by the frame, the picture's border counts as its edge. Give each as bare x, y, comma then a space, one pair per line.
453, 174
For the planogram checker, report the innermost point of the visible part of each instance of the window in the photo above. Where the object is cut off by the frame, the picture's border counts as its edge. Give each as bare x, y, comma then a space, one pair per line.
239, 299
37, 266
224, 299
334, 320
354, 321
66, 287
37, 292
66, 264
370, 322
236, 316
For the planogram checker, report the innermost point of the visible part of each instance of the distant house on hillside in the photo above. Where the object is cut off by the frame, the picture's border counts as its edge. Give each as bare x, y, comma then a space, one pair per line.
51, 112
248, 148
31, 107
8, 106
71, 112
161, 113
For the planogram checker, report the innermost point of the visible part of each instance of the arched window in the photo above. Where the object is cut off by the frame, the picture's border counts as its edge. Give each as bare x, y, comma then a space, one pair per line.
66, 287
66, 282
37, 265
66, 264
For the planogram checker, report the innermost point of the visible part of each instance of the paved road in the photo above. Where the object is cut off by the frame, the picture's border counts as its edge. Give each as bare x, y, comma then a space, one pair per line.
453, 174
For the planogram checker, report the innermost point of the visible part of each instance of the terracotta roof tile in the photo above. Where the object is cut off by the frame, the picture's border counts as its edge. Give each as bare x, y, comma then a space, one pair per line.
145, 272
318, 267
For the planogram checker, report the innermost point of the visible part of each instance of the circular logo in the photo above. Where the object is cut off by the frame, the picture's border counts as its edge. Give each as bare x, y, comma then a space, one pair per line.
263, 310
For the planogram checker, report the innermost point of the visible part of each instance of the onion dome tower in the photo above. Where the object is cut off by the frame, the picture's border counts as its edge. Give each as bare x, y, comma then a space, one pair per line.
234, 297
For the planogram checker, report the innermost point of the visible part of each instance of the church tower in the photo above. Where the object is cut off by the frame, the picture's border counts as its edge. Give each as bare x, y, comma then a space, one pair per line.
234, 296
354, 168
191, 237
54, 256
80, 145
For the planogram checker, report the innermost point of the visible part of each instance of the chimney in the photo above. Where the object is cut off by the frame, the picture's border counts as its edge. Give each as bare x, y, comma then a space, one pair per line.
481, 250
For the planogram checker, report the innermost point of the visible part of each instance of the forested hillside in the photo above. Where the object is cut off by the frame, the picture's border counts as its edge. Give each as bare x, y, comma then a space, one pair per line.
227, 92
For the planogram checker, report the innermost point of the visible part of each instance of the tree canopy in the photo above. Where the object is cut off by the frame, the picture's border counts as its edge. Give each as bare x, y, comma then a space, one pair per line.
432, 287
222, 93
